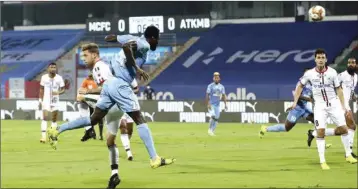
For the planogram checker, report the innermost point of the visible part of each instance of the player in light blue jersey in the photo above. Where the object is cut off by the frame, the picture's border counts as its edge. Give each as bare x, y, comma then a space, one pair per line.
303, 109
214, 93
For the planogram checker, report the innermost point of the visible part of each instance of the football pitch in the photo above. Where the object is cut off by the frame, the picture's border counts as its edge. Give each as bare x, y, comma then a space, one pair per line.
236, 157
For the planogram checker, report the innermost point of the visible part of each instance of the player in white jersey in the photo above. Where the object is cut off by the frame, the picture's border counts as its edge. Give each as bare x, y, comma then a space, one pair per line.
348, 80
325, 88
51, 86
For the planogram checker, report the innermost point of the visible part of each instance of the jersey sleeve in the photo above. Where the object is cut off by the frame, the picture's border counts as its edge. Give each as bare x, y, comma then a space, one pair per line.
223, 90
208, 90
134, 83
123, 39
42, 82
305, 78
62, 83
336, 82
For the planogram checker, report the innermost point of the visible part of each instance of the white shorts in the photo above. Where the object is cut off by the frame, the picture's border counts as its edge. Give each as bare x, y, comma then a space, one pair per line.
50, 107
127, 118
83, 109
112, 120
335, 112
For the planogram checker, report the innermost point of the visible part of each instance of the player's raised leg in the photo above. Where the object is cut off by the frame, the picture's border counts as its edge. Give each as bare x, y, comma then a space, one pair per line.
290, 122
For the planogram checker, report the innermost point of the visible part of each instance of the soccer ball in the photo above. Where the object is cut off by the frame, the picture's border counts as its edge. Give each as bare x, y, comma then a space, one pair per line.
317, 13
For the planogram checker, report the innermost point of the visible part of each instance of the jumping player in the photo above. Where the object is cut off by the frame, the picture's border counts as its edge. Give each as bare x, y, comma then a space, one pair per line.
51, 86
214, 93
303, 109
348, 80
117, 92
329, 102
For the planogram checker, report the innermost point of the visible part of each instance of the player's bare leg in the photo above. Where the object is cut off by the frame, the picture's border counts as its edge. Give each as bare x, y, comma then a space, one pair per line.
100, 126
351, 130
146, 136
125, 139
45, 119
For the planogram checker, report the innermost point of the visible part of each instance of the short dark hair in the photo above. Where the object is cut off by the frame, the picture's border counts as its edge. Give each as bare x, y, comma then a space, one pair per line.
52, 64
319, 51
91, 47
151, 32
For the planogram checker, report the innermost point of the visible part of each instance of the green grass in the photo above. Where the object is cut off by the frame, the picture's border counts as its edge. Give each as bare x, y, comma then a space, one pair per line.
236, 157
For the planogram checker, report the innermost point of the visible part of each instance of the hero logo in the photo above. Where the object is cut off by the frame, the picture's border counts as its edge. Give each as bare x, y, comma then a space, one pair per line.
241, 95
259, 117
193, 117
99, 26
174, 106
299, 56
158, 96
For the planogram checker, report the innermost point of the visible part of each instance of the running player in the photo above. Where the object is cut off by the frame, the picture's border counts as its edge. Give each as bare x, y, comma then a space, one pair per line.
303, 109
325, 88
214, 93
88, 84
51, 86
348, 80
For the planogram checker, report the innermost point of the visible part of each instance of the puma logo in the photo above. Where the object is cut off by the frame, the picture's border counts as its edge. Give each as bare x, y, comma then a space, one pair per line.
252, 106
150, 116
6, 114
190, 106
275, 117
72, 105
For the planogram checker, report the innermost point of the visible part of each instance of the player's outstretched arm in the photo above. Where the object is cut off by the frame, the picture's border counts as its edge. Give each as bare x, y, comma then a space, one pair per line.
111, 38
297, 95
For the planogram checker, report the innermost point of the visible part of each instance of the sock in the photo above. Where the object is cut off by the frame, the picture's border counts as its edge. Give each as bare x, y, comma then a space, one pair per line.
211, 123
277, 128
351, 137
43, 128
346, 143
321, 146
113, 158
327, 132
53, 124
88, 128
75, 124
125, 141
215, 123
146, 136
